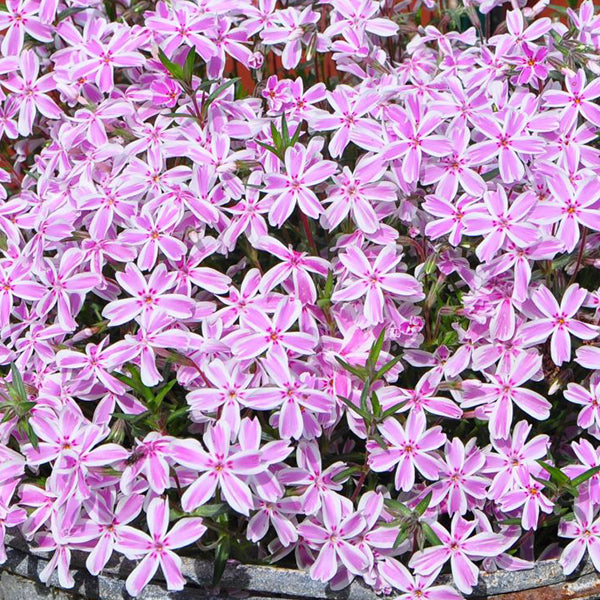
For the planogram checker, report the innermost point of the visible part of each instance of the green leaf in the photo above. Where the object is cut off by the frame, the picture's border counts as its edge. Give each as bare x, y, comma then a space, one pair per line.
216, 93
188, 66
490, 175
276, 137
17, 384
402, 535
8, 415
221, 557
430, 534
423, 505
356, 409
584, 476
65, 14
345, 474
328, 285
30, 433
376, 350
285, 134
163, 392
514, 521
183, 116
270, 149
295, 137
176, 414
208, 510
363, 397
556, 475
389, 365
175, 70
138, 385
376, 405
380, 441
397, 506
25, 407
392, 410
111, 11
547, 483
206, 84
133, 418
360, 372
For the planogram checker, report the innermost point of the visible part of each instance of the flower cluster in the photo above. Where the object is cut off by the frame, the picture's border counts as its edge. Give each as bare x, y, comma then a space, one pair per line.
340, 311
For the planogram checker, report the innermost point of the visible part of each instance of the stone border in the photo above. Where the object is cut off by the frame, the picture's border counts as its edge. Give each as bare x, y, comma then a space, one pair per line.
20, 581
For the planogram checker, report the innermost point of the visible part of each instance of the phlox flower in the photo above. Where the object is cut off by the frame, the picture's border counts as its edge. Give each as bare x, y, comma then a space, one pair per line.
16, 281
409, 447
155, 332
11, 515
416, 137
238, 303
157, 548
31, 92
182, 26
92, 365
332, 533
316, 483
148, 296
519, 34
350, 120
459, 483
589, 457
154, 234
506, 388
228, 40
280, 515
450, 217
293, 188
290, 27
529, 498
456, 169
119, 51
507, 142
371, 280
294, 265
578, 98
415, 587
220, 466
502, 222
460, 547
230, 391
589, 399
534, 65
61, 540
108, 518
422, 398
22, 17
261, 333
584, 529
558, 321
356, 193
296, 395
359, 17
152, 458
570, 206
66, 287
513, 455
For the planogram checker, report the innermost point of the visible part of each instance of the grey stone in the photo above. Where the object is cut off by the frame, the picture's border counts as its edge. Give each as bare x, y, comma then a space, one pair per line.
19, 580
15, 587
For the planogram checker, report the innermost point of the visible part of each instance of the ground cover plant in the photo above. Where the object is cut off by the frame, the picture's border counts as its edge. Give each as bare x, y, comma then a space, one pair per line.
339, 311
